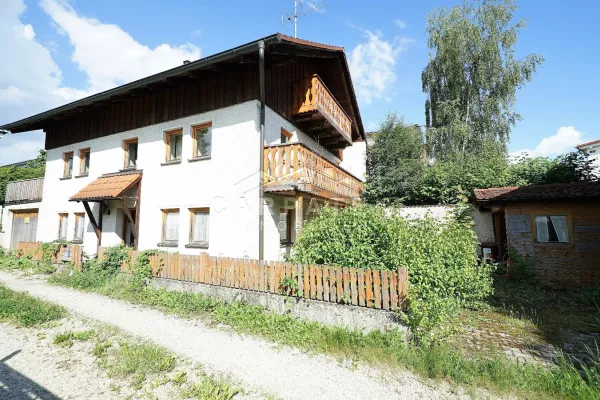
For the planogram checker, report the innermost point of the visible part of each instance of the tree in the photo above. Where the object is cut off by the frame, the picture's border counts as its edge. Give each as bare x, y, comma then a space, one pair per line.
472, 76
395, 162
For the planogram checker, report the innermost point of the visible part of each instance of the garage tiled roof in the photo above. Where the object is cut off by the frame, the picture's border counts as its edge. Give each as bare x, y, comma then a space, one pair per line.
107, 187
540, 192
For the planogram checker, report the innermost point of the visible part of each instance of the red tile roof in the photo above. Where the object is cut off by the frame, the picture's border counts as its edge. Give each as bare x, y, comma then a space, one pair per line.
539, 192
107, 187
587, 144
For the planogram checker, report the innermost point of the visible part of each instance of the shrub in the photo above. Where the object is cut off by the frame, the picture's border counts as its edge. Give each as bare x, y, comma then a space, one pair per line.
443, 268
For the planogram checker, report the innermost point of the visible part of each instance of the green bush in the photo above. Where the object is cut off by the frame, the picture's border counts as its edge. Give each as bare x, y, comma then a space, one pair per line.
443, 268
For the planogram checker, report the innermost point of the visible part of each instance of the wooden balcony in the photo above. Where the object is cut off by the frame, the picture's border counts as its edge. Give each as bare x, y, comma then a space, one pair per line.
294, 167
317, 113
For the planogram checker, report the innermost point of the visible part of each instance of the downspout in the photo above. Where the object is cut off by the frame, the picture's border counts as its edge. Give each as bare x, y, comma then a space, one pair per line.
261, 168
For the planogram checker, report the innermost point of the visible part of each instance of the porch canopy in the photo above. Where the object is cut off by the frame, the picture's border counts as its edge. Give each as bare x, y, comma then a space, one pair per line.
110, 187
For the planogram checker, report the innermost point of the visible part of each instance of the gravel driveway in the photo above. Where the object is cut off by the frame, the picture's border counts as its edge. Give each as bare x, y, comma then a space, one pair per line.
257, 364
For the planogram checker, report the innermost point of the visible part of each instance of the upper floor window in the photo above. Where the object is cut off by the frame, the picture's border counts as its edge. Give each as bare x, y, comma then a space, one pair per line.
130, 147
551, 229
79, 226
84, 161
286, 136
199, 226
68, 164
174, 145
170, 227
201, 140
63, 220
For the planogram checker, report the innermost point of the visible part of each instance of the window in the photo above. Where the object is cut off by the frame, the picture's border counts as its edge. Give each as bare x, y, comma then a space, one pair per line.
79, 226
285, 226
130, 147
84, 161
170, 230
68, 164
202, 140
199, 226
286, 136
62, 226
551, 229
174, 145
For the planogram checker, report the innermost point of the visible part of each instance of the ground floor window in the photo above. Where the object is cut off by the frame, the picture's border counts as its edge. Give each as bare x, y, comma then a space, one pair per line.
285, 226
79, 226
551, 229
199, 226
63, 219
170, 228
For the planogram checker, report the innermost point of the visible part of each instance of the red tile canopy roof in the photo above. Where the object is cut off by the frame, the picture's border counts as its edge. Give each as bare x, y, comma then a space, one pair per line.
579, 146
554, 191
107, 187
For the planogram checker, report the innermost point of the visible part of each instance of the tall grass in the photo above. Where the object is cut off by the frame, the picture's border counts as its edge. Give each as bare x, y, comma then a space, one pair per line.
24, 310
439, 361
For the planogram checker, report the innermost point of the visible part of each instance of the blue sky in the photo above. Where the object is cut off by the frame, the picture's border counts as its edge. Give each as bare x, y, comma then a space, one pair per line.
61, 50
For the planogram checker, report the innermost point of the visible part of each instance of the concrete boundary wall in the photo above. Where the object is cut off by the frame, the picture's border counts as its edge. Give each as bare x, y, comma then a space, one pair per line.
347, 316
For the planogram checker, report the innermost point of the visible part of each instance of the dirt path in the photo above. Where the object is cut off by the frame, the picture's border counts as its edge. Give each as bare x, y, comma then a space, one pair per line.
259, 365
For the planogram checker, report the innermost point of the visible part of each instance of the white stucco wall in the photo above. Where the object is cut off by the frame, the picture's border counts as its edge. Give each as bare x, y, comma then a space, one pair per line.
593, 154
227, 183
7, 220
355, 159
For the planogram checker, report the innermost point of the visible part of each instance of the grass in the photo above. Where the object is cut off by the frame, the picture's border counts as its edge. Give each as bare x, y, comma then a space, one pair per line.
209, 387
10, 262
441, 361
24, 310
134, 360
66, 339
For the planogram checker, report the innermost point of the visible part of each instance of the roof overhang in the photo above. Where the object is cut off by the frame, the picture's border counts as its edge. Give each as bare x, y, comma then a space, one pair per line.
271, 42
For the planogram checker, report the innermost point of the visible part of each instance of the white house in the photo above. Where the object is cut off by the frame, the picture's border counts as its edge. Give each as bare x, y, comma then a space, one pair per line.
593, 150
174, 160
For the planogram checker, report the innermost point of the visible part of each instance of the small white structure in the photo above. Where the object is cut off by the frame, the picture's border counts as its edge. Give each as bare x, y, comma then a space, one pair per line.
21, 211
593, 150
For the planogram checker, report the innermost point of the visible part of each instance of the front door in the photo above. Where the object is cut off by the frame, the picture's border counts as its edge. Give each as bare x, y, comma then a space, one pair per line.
24, 227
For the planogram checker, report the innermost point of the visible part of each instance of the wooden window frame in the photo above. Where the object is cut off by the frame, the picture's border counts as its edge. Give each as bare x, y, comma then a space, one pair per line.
66, 156
288, 225
191, 243
196, 127
60, 219
126, 144
81, 163
287, 134
167, 136
163, 242
75, 238
542, 213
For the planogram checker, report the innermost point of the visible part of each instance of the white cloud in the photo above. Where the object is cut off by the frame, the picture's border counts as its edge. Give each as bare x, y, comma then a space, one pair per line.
564, 140
109, 55
372, 64
32, 82
400, 24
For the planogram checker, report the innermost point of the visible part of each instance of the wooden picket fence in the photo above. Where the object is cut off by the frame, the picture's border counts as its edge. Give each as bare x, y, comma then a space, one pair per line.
360, 287
34, 249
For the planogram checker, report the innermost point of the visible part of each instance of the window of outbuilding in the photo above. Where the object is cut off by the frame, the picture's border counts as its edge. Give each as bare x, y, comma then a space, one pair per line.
552, 229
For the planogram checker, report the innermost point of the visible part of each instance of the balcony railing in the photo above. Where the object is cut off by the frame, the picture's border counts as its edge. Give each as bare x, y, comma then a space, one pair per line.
26, 191
295, 165
312, 96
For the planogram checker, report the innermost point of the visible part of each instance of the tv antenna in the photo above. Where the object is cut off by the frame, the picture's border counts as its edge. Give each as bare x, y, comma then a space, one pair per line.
299, 10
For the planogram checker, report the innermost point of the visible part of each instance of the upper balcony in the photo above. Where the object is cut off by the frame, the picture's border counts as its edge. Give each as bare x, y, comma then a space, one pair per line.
294, 167
317, 112
26, 191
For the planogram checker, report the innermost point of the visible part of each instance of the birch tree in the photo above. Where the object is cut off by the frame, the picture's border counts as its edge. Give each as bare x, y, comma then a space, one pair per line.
472, 76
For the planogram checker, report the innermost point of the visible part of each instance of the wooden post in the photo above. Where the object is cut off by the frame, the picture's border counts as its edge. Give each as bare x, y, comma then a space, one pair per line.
137, 214
134, 228
97, 228
299, 215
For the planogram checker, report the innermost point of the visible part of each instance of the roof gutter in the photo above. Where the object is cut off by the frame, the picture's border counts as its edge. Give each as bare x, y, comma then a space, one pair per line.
219, 57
